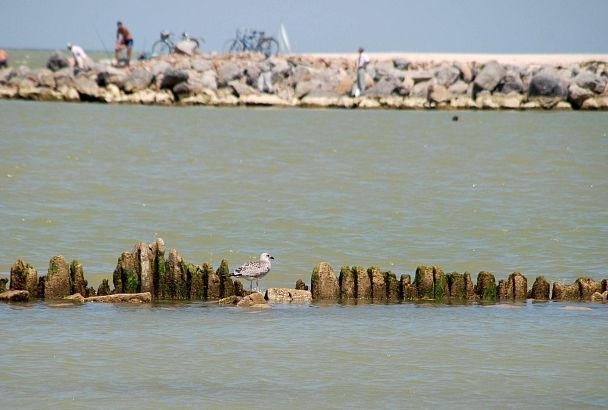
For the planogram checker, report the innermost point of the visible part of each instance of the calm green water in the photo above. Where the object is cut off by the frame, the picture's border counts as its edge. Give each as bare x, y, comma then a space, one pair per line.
502, 192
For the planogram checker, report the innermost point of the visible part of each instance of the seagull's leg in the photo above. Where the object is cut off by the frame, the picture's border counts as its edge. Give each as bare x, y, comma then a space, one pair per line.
250, 285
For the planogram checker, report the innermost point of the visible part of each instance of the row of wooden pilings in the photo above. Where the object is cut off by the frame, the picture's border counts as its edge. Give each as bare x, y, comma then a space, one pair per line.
431, 283
146, 269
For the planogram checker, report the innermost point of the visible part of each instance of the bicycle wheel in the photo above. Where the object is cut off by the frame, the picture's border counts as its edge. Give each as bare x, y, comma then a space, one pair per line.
269, 47
160, 48
233, 46
198, 41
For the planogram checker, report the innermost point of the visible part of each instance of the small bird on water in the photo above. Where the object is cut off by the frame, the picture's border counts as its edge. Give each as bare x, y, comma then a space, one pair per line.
254, 270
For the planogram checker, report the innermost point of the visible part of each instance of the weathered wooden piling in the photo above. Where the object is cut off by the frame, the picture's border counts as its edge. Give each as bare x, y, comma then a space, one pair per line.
323, 283
58, 283
347, 284
486, 286
24, 277
541, 290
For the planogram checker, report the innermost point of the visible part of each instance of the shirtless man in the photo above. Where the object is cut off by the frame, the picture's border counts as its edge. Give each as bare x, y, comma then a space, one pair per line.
124, 39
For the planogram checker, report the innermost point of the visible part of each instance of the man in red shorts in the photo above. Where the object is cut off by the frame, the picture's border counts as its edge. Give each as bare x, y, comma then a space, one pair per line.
124, 39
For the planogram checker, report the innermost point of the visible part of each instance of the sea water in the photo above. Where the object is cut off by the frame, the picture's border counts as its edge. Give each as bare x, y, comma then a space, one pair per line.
495, 191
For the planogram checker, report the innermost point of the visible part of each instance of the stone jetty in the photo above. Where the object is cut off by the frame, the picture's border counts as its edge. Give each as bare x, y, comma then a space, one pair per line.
149, 273
318, 81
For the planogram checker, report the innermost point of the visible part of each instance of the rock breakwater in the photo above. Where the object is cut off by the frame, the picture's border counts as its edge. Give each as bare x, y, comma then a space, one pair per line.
308, 81
148, 273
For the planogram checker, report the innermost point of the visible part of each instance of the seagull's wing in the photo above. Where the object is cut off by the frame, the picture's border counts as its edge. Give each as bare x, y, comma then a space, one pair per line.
252, 269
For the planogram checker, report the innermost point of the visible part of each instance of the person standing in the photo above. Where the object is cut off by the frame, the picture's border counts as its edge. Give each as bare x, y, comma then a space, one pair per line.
124, 39
81, 60
362, 62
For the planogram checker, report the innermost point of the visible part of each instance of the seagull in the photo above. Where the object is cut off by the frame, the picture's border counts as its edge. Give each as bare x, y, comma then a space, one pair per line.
254, 270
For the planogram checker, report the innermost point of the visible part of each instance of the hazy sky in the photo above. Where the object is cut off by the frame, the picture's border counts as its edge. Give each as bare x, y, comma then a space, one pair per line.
508, 26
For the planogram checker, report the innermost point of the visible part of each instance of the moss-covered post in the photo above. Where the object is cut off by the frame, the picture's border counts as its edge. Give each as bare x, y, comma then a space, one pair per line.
588, 287
514, 288
24, 277
126, 275
176, 276
440, 284
378, 281
347, 283
79, 284
104, 288
145, 257
214, 286
424, 282
408, 289
195, 277
57, 284
159, 271
363, 283
324, 283
541, 289
486, 286
456, 285
565, 292
393, 292
226, 283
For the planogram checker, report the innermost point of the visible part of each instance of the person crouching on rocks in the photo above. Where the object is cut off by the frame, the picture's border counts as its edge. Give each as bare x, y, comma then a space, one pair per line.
82, 62
124, 39
361, 65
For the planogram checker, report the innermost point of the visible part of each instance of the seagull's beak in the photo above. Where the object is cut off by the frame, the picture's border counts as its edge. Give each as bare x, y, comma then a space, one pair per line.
272, 257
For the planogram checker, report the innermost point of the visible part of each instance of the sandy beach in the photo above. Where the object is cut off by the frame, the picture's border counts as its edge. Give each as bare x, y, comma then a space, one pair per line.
517, 59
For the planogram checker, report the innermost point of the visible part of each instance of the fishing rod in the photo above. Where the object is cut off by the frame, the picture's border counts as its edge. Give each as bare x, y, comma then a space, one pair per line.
105, 49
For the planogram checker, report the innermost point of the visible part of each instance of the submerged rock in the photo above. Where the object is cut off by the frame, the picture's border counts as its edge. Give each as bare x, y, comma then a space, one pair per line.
15, 296
254, 300
145, 297
286, 295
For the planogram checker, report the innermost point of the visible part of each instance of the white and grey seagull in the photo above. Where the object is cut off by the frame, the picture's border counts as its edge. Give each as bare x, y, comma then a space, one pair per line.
254, 270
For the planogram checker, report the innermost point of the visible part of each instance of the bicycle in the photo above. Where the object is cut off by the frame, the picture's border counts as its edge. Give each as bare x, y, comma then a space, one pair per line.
167, 44
253, 40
